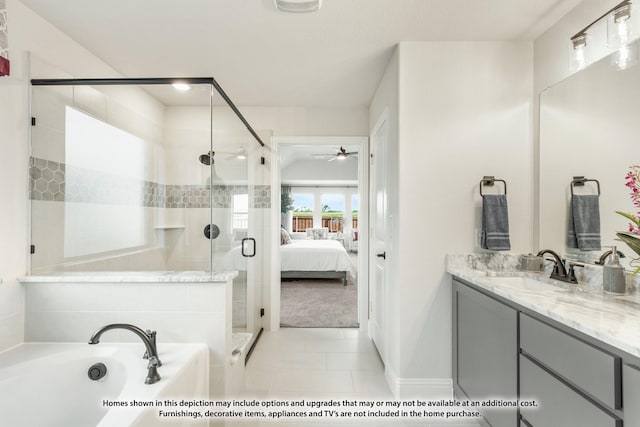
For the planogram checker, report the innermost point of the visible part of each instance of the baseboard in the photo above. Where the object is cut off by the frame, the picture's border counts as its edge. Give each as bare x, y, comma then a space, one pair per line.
421, 388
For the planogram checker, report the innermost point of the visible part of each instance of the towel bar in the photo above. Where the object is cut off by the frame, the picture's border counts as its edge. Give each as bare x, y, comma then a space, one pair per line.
489, 181
579, 181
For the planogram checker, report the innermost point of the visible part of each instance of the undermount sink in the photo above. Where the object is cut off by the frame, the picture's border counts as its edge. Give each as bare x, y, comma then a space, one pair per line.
524, 283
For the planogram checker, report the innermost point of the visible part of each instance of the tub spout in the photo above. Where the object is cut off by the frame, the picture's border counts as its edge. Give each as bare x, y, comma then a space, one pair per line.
151, 353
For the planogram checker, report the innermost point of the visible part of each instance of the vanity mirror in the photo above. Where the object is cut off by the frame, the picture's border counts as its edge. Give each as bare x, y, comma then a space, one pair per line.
589, 126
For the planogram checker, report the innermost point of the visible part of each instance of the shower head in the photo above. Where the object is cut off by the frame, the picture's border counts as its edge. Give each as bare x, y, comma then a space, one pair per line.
207, 159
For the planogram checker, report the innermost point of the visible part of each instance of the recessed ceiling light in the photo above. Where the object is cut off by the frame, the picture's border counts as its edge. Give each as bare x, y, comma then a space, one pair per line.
298, 6
182, 87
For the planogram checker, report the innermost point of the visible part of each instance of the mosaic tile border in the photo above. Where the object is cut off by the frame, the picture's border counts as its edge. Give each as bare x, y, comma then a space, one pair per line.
54, 181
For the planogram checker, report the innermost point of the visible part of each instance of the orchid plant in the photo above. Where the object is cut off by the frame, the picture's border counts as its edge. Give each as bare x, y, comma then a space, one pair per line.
632, 236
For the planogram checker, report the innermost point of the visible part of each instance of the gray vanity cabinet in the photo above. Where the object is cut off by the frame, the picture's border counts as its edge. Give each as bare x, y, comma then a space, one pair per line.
485, 351
503, 350
631, 395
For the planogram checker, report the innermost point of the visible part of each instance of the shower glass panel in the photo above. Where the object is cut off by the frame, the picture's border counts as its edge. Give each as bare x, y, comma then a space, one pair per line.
143, 177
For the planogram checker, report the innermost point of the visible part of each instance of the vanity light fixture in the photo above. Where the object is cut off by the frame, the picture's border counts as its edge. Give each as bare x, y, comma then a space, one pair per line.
298, 6
181, 86
620, 25
622, 29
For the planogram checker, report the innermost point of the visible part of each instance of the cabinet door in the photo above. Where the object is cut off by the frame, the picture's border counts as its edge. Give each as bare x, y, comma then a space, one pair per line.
485, 351
631, 395
558, 404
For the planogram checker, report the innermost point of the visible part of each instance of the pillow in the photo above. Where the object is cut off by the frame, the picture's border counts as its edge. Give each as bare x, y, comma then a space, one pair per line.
320, 234
285, 237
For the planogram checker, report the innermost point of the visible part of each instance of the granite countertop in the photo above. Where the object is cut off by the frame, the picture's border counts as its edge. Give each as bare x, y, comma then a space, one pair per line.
133, 277
612, 319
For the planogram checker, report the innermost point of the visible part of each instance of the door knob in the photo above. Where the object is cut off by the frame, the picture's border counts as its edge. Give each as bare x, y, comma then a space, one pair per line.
383, 255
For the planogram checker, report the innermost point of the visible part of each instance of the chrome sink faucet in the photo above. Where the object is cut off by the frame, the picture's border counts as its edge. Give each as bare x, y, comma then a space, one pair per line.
148, 338
560, 271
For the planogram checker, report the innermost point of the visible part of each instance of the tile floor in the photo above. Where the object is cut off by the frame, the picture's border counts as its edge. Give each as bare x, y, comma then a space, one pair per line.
301, 363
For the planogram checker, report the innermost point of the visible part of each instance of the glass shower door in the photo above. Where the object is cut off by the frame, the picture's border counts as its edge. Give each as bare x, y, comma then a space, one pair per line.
234, 198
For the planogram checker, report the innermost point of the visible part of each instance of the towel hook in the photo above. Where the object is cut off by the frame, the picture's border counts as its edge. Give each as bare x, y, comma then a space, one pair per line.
579, 181
489, 181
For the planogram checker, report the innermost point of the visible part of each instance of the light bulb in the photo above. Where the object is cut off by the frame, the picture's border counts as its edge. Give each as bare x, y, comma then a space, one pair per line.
620, 26
182, 87
578, 52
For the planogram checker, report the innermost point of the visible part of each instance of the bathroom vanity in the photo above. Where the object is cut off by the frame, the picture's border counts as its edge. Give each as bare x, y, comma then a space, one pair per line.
572, 349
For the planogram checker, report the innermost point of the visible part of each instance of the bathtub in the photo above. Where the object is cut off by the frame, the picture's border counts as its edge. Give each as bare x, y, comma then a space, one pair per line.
46, 384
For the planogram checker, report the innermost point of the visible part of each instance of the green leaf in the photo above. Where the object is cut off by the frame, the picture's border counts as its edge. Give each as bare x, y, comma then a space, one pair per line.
630, 217
631, 240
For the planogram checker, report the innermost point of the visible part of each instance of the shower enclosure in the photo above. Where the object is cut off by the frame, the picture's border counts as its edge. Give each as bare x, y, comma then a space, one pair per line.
135, 175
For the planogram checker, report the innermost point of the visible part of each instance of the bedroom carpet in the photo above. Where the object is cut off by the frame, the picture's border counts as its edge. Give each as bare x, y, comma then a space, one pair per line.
318, 303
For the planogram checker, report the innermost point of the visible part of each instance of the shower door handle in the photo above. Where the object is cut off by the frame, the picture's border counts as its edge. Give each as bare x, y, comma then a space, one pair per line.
244, 245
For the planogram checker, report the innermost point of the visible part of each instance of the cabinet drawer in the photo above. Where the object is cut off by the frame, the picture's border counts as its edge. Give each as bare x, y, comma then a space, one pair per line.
559, 405
585, 366
631, 382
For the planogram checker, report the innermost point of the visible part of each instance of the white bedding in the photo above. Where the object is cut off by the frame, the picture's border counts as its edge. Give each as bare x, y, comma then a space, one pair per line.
301, 255
315, 255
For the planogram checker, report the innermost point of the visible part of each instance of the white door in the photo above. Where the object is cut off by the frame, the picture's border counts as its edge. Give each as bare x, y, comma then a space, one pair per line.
378, 235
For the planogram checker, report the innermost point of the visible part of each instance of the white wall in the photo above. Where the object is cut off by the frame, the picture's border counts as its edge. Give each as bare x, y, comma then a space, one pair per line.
14, 214
28, 32
299, 121
308, 171
464, 107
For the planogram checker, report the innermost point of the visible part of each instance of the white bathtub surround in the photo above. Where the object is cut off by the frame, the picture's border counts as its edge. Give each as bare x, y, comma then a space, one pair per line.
183, 308
134, 277
50, 367
614, 320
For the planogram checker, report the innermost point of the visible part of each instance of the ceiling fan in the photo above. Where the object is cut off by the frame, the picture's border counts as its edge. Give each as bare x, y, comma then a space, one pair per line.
341, 154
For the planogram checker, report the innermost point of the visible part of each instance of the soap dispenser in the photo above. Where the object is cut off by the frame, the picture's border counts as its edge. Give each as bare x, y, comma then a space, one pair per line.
613, 275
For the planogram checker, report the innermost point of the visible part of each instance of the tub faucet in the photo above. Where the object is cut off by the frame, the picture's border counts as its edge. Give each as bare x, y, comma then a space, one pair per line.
559, 269
152, 353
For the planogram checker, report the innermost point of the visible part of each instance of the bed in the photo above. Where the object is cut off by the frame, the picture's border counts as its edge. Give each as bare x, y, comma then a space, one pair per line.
315, 259
304, 259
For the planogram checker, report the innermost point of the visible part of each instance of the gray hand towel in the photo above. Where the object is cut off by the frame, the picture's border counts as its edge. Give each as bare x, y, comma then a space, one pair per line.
495, 223
584, 222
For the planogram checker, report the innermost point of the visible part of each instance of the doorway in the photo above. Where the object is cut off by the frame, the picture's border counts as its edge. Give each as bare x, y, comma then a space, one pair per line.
320, 197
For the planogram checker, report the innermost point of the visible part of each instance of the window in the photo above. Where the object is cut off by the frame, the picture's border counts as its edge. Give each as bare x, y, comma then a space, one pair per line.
302, 211
240, 211
105, 180
332, 211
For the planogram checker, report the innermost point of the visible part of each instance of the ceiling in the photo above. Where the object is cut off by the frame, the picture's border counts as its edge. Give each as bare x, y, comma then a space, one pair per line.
291, 153
311, 166
262, 57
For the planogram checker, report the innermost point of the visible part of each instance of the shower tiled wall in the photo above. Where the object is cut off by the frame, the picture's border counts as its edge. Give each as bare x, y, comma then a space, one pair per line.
55, 181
